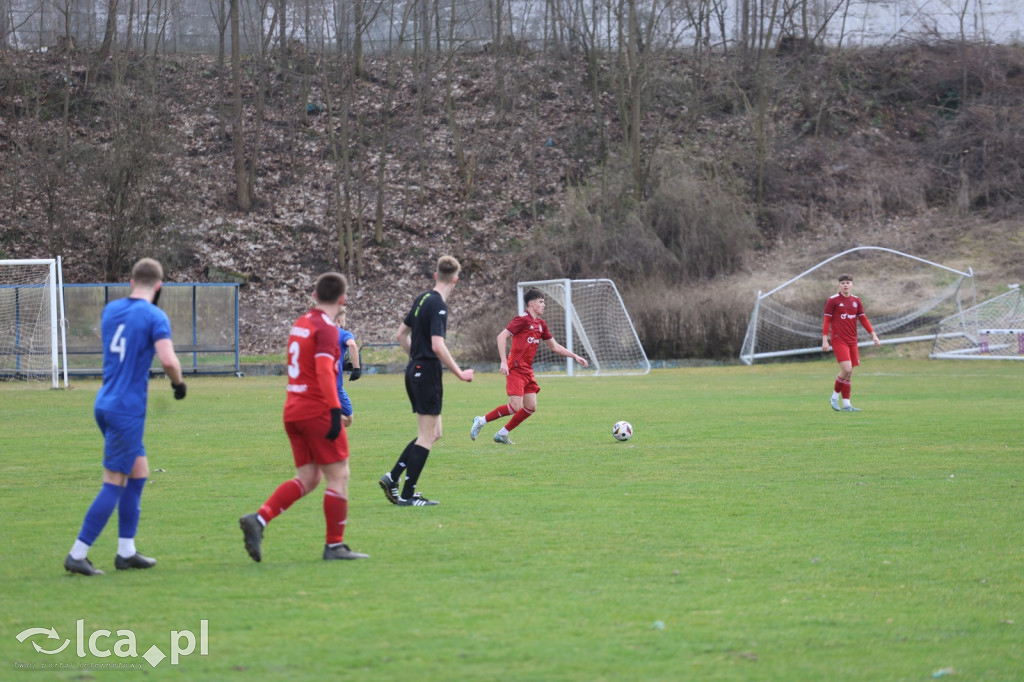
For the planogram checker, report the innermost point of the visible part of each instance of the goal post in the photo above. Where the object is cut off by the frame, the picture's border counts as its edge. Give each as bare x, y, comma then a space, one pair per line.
32, 344
905, 298
991, 330
588, 317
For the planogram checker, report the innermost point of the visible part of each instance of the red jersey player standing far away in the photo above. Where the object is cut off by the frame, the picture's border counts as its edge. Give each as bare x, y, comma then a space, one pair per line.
312, 420
526, 332
842, 311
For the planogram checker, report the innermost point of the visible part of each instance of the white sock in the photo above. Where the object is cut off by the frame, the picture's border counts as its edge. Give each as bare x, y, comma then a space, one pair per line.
126, 547
836, 394
846, 402
79, 550
261, 520
502, 431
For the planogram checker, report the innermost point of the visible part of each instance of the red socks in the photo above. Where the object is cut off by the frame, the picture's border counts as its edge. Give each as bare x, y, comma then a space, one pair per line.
290, 492
843, 386
287, 494
336, 515
518, 418
498, 413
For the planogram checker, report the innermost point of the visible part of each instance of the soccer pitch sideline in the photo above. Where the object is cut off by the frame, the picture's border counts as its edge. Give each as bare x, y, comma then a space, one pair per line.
746, 532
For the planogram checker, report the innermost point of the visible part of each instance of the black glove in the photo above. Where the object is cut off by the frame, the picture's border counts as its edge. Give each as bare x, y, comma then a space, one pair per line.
356, 373
179, 390
335, 430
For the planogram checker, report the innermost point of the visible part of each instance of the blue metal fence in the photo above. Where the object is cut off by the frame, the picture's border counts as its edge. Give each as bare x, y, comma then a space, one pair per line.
204, 325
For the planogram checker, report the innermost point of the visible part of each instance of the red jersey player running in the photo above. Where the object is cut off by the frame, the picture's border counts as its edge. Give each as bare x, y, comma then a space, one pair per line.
526, 332
312, 420
842, 311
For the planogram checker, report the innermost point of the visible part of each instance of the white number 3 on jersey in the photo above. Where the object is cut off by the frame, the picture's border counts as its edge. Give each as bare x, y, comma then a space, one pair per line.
293, 360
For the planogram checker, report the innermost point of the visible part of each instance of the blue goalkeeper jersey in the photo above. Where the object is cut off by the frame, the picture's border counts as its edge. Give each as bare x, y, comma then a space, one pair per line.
129, 327
344, 336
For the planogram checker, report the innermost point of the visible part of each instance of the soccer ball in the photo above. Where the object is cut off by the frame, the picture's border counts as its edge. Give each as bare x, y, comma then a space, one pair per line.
622, 430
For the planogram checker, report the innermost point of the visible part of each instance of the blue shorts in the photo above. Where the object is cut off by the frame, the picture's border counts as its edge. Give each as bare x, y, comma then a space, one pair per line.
346, 402
122, 436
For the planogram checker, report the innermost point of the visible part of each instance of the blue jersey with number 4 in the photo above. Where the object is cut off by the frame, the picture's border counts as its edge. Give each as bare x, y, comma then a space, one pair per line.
130, 327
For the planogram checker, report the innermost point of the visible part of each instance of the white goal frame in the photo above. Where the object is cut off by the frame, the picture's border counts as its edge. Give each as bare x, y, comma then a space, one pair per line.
812, 331
991, 330
591, 334
54, 284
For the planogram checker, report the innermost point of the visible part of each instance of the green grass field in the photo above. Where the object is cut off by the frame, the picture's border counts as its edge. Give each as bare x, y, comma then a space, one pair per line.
746, 532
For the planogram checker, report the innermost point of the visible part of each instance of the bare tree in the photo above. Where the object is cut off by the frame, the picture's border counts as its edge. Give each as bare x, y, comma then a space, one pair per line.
130, 196
109, 40
220, 18
243, 195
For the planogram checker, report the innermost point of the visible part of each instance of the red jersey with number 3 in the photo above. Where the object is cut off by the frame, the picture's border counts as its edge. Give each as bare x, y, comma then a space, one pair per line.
527, 332
843, 312
312, 335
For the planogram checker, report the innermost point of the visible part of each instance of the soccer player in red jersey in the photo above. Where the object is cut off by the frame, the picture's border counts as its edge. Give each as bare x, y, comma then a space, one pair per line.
526, 331
842, 311
312, 420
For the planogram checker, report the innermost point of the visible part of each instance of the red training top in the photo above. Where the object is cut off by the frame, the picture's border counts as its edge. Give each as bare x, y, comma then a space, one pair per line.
313, 354
843, 312
527, 333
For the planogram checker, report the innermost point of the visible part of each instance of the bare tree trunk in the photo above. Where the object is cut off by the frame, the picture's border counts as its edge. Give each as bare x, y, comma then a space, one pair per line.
109, 36
242, 196
357, 39
220, 18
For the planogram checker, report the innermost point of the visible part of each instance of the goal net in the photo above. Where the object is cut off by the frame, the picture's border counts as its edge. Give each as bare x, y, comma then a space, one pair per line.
991, 330
905, 298
588, 317
30, 310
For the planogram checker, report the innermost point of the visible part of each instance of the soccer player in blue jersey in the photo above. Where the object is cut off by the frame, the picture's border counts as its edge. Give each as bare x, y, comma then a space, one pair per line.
133, 329
349, 348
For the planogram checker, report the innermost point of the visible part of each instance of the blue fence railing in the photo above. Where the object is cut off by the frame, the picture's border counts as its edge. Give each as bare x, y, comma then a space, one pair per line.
204, 325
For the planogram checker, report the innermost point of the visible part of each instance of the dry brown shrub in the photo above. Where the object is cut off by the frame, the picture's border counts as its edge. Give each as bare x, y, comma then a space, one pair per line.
675, 321
478, 335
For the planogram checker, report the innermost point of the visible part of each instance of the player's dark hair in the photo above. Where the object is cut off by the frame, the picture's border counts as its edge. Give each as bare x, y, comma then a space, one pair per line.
447, 269
147, 272
845, 278
330, 286
532, 294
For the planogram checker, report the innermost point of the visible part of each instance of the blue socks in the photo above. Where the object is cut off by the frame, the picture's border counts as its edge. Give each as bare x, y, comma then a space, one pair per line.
99, 512
130, 508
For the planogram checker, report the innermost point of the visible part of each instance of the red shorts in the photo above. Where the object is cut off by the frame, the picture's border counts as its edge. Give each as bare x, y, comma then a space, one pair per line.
309, 444
846, 352
520, 383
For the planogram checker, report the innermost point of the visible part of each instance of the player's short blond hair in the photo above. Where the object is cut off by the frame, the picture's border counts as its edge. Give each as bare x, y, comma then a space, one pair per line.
447, 269
147, 272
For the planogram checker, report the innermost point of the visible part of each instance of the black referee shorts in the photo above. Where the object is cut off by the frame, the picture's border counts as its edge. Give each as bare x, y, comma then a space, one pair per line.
423, 384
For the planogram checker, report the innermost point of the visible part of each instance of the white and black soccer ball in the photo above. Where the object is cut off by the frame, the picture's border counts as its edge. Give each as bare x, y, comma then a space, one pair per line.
622, 430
